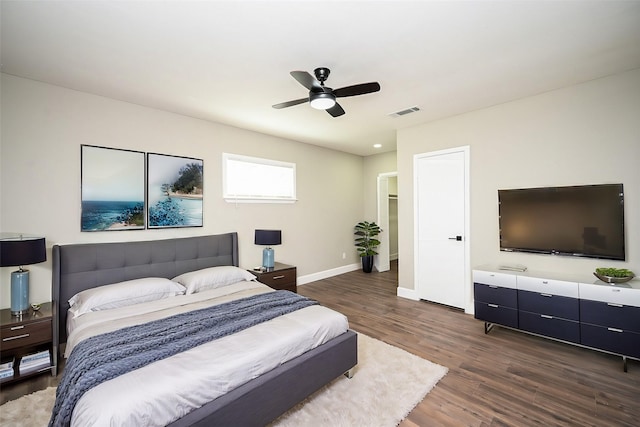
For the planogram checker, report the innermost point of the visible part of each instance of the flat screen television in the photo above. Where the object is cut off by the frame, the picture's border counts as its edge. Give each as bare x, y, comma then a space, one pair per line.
582, 221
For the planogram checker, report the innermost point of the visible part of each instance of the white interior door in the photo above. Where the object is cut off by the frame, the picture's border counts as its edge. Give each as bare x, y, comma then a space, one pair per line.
441, 200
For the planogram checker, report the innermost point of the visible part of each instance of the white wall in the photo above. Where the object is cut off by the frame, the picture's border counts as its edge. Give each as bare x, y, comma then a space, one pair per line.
373, 166
43, 127
584, 134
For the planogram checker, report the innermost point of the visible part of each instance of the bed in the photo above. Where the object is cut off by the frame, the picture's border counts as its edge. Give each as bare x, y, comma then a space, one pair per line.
259, 400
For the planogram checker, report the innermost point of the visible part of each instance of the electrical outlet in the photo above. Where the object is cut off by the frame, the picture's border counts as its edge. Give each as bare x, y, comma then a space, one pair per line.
344, 255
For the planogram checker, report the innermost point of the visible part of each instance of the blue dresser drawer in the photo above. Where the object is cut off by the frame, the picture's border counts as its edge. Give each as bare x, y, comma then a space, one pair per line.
562, 329
552, 305
618, 341
609, 314
506, 297
495, 313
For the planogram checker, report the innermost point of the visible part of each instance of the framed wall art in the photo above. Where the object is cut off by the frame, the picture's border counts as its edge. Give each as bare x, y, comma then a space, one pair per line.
174, 191
112, 189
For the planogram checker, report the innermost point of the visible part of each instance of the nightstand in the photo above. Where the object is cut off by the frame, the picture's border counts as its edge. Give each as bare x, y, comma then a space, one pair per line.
280, 277
27, 335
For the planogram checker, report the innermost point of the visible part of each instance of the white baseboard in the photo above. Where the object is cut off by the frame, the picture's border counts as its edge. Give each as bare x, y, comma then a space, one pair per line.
411, 294
308, 278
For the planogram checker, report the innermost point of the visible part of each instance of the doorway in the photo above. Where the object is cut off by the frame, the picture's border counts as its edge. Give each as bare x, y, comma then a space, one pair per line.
441, 201
387, 220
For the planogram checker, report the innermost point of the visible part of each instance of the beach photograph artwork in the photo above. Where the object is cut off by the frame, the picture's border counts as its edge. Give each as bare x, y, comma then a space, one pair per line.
174, 191
112, 189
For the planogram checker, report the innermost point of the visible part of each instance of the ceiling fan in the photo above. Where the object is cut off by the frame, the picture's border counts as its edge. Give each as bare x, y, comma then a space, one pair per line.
322, 97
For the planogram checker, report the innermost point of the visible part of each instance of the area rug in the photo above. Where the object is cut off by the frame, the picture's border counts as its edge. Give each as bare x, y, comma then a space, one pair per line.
388, 383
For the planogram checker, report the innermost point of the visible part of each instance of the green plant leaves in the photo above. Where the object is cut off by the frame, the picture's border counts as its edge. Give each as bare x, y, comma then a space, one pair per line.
366, 243
614, 272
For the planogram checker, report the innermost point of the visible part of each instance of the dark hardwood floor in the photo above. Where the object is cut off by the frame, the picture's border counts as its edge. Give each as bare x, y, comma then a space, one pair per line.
505, 378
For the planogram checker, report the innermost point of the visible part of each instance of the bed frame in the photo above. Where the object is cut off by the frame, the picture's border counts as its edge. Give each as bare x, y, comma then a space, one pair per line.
78, 267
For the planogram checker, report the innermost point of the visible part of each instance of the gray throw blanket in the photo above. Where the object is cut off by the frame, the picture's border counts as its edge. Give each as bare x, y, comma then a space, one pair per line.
103, 357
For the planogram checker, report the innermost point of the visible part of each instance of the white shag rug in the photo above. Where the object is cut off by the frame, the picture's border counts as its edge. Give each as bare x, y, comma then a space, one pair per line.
388, 383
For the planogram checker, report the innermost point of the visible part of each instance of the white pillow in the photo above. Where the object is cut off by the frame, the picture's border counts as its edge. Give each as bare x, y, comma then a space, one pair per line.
212, 277
124, 293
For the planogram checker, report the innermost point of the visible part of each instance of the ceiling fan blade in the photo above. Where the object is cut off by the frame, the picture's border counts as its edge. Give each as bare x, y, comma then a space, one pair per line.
336, 110
354, 90
306, 80
290, 103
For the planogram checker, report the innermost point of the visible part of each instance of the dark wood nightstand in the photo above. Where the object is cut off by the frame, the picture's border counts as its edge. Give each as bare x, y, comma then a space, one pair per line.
281, 277
26, 335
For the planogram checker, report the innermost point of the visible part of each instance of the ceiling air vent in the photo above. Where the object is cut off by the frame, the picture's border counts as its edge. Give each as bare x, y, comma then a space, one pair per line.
405, 112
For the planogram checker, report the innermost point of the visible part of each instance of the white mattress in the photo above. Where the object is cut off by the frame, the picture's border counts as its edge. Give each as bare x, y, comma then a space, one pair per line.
164, 391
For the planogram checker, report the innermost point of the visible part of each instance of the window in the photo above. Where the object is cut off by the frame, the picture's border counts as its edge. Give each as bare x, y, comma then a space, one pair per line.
252, 179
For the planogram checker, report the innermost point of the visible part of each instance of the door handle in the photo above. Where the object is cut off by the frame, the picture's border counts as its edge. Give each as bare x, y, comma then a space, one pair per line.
458, 238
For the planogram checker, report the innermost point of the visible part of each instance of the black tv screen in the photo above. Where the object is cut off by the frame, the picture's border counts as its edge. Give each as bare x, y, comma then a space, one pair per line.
584, 221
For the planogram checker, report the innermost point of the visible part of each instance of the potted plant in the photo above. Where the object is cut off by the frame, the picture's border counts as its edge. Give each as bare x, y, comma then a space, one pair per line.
366, 243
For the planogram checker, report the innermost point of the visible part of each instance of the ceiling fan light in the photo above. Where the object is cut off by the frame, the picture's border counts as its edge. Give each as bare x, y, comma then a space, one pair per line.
322, 101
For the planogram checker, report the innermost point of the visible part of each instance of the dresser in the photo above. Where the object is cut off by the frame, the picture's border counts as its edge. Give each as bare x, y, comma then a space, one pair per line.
280, 277
579, 310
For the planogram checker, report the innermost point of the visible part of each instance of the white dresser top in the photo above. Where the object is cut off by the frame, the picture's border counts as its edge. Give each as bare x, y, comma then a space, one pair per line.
586, 278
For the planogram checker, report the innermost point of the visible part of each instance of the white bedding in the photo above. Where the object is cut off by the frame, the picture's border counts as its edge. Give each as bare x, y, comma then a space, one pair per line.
164, 391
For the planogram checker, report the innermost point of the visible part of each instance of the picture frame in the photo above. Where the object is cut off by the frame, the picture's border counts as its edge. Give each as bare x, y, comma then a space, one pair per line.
175, 191
112, 187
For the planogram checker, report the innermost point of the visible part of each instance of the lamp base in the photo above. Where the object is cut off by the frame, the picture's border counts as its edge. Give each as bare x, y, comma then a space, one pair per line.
19, 292
268, 258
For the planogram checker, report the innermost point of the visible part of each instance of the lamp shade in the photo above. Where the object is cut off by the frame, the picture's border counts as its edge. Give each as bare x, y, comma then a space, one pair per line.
18, 251
268, 237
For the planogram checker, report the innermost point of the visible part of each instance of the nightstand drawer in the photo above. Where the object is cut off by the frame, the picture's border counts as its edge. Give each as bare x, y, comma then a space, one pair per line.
278, 278
15, 336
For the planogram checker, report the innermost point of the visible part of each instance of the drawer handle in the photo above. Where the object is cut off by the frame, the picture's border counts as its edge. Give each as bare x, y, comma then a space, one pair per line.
278, 277
17, 337
546, 295
615, 290
15, 328
610, 304
615, 330
546, 316
493, 286
544, 282
493, 305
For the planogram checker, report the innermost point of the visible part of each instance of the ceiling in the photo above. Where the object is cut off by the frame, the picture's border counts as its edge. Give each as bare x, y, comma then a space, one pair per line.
229, 61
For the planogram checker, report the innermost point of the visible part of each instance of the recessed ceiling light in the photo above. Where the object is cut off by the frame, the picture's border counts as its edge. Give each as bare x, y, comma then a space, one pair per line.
377, 145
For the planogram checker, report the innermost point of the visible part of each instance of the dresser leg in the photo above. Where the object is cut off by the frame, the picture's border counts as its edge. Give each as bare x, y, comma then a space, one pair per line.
487, 327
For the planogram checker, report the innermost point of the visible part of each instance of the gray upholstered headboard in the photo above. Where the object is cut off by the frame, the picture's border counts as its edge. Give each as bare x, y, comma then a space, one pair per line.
83, 266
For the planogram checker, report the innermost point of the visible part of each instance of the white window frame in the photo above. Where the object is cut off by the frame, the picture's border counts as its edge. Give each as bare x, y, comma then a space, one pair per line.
258, 163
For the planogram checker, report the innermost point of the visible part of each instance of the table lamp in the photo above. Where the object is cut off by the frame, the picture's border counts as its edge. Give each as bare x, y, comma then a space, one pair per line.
268, 238
16, 251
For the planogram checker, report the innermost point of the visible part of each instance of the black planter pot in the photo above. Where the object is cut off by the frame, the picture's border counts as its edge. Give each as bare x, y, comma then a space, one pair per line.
367, 263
